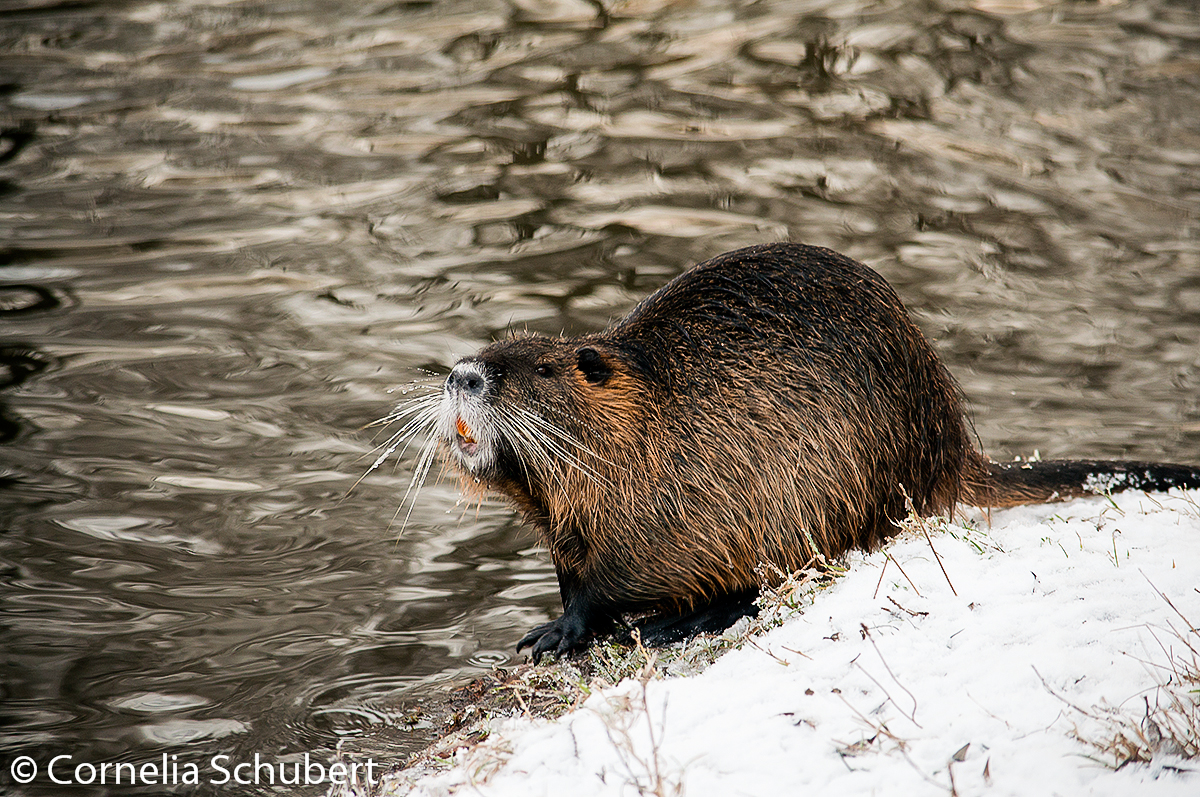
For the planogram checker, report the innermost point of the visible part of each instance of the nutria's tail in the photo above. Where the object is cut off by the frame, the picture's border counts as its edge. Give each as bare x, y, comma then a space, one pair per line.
1011, 483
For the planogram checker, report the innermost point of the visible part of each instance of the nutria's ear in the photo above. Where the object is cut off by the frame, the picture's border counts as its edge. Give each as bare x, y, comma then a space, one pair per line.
593, 367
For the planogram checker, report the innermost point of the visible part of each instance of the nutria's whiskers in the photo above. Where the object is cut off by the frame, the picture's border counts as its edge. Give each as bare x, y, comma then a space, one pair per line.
552, 439
420, 415
407, 408
424, 414
425, 459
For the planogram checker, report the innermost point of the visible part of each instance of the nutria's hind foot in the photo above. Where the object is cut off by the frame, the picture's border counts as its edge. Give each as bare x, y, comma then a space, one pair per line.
560, 637
711, 618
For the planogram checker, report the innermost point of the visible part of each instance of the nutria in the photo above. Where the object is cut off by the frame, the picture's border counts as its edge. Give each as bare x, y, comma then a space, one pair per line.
772, 405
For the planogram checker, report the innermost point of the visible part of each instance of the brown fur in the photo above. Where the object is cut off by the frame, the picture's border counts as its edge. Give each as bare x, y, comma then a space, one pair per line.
768, 406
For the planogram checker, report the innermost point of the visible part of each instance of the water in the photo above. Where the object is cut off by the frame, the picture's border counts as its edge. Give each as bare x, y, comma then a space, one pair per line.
234, 234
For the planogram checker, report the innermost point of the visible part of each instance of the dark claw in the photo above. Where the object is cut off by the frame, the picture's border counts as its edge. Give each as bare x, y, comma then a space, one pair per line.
552, 640
541, 639
560, 637
534, 635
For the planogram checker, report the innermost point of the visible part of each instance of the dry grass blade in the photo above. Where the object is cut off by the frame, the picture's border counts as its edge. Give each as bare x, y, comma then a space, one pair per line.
915, 521
1167, 734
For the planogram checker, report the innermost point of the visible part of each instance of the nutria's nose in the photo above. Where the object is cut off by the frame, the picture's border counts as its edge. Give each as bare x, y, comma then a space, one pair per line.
467, 377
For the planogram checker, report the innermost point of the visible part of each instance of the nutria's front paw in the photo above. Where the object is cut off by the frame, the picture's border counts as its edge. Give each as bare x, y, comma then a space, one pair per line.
562, 636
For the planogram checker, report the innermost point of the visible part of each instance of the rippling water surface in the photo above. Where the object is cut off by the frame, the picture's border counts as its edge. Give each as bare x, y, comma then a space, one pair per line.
234, 233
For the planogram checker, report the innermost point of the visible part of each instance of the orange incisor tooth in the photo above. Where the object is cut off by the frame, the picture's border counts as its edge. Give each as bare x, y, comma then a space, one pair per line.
464, 430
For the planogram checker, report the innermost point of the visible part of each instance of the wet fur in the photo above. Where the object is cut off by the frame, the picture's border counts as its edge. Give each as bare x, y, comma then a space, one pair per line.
770, 405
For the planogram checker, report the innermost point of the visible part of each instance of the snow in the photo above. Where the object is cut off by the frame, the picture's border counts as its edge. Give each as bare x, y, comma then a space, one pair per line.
890, 683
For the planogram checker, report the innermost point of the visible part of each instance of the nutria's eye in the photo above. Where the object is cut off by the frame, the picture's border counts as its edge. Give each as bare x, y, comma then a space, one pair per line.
544, 370
593, 367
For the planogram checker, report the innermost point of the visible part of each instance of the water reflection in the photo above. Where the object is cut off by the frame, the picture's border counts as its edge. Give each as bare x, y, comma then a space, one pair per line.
230, 231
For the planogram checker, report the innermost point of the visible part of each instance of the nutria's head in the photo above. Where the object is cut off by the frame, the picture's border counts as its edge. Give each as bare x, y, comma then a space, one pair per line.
524, 412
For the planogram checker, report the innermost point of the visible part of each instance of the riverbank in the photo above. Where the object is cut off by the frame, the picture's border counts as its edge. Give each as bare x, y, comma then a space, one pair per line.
1054, 651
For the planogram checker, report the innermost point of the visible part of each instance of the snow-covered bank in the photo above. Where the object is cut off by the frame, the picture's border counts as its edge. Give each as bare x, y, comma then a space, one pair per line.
891, 683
